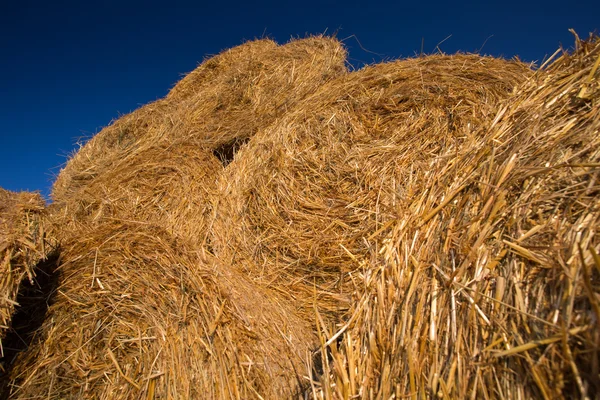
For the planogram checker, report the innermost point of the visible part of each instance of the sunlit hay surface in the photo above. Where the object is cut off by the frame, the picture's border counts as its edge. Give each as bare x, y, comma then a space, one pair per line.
305, 199
143, 309
139, 314
224, 101
486, 283
22, 246
428, 225
166, 185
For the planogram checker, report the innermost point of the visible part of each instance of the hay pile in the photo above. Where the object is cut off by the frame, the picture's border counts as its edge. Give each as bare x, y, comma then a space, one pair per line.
22, 246
277, 227
218, 106
306, 196
139, 314
486, 284
143, 309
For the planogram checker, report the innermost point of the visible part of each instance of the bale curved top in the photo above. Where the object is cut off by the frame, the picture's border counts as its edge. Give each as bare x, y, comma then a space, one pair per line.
486, 282
166, 184
300, 199
225, 100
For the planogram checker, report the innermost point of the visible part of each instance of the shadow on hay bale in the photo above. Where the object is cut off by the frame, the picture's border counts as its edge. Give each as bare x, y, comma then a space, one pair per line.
33, 301
486, 283
306, 197
24, 273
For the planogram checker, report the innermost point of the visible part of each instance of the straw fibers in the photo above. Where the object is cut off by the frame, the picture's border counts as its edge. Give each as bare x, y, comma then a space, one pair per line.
140, 315
279, 227
297, 205
486, 282
22, 246
221, 103
143, 310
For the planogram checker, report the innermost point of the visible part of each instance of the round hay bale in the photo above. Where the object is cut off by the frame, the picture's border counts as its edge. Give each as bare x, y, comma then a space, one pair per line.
302, 201
487, 282
217, 106
138, 314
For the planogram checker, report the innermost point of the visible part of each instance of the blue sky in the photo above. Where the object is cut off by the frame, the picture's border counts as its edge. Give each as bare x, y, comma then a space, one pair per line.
68, 68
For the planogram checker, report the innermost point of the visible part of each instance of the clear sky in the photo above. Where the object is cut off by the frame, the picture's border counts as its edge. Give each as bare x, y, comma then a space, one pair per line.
67, 68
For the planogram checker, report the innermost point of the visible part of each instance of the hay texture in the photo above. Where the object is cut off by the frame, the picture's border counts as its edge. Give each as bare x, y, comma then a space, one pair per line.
166, 185
143, 309
22, 246
306, 198
139, 314
226, 100
278, 227
486, 282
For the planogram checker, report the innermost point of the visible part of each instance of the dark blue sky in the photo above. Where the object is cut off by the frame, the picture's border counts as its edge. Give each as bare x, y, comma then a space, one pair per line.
68, 68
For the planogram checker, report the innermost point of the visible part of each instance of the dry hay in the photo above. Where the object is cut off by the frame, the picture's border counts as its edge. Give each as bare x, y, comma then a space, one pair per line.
139, 314
486, 284
142, 310
435, 232
22, 246
306, 196
216, 107
165, 185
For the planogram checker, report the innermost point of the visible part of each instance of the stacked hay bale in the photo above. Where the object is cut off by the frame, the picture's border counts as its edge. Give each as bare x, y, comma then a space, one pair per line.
306, 198
143, 308
186, 138
426, 223
226, 100
22, 247
486, 284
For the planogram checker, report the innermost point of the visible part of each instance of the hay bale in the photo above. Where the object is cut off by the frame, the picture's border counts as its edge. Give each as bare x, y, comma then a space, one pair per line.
303, 199
143, 309
140, 314
226, 100
22, 247
487, 282
434, 232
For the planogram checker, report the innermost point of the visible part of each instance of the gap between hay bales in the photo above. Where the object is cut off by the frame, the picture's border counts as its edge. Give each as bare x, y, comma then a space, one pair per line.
33, 301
